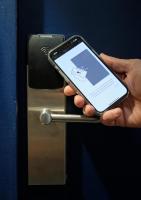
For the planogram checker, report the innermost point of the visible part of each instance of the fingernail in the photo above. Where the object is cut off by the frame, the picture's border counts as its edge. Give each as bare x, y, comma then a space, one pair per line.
84, 111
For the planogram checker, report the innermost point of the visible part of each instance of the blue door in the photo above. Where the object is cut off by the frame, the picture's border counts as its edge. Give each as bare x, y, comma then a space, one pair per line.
102, 162
8, 134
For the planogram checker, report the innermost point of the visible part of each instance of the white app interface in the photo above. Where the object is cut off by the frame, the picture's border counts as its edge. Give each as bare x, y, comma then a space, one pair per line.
91, 77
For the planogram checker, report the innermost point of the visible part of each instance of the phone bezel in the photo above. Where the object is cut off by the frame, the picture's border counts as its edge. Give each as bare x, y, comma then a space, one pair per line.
66, 46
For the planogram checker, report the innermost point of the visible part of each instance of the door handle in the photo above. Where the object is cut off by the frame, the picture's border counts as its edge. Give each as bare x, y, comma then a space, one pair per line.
46, 117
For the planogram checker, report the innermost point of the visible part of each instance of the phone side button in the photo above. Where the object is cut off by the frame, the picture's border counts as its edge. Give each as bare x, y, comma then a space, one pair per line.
56, 67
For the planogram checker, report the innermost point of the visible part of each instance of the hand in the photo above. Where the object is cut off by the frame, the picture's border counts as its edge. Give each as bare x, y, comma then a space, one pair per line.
128, 114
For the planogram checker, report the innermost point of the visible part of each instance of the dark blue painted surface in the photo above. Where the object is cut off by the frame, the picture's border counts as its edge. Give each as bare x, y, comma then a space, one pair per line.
8, 136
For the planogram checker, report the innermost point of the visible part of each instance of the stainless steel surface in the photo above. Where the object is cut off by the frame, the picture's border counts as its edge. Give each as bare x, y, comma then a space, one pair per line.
47, 117
46, 144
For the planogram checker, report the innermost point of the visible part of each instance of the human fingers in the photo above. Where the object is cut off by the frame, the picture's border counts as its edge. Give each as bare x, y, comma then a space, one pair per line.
110, 117
79, 101
118, 65
88, 110
69, 91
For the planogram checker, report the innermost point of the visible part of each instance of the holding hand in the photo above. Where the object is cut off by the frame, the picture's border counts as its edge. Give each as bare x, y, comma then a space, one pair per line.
128, 114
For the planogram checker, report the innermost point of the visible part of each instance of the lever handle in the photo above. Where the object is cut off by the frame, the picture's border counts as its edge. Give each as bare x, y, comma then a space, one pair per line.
47, 117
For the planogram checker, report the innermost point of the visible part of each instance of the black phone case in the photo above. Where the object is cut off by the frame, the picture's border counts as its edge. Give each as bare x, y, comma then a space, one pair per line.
66, 45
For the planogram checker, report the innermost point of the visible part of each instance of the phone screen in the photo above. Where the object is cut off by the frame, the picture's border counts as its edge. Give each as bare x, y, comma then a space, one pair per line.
91, 76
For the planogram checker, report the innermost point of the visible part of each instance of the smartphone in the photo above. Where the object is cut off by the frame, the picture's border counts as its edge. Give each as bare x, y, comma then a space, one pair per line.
83, 69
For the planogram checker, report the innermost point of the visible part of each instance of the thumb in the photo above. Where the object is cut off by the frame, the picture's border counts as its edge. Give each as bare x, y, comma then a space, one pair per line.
118, 65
